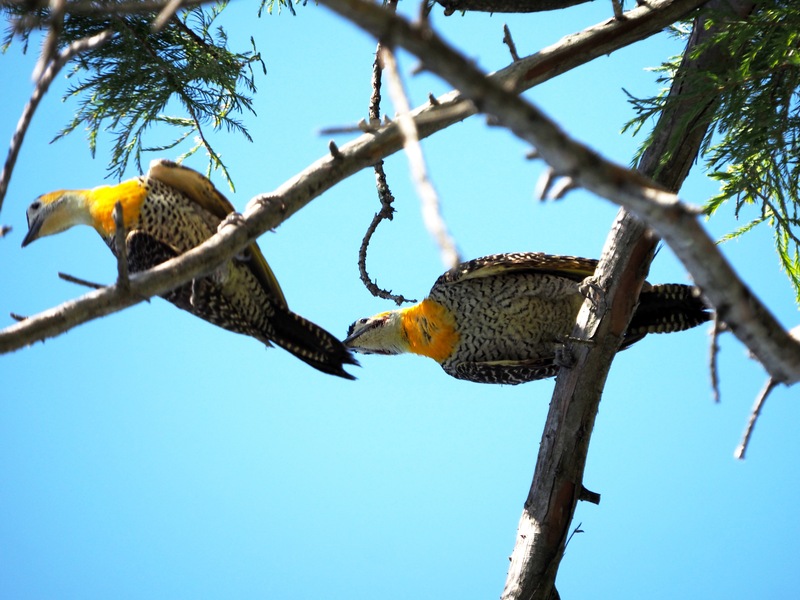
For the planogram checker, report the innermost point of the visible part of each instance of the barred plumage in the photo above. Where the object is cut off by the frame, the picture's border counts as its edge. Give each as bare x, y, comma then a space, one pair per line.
173, 209
502, 318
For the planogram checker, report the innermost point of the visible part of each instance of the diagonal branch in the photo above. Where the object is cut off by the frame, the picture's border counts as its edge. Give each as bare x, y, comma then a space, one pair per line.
675, 222
571, 51
431, 207
49, 71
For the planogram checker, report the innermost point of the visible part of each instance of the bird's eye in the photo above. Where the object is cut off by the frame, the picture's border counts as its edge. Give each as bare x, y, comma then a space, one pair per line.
36, 205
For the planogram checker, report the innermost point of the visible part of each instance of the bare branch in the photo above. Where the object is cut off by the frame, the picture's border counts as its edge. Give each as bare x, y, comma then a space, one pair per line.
360, 153
79, 281
50, 46
713, 351
43, 83
431, 207
677, 223
741, 449
769, 385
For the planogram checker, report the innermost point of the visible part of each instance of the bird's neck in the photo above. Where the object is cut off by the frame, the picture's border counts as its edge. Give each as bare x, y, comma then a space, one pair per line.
101, 201
429, 329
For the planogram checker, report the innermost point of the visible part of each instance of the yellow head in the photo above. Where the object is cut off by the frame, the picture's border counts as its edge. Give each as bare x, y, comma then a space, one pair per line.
56, 212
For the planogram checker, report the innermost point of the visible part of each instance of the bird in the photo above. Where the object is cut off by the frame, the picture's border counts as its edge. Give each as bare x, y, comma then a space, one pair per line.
503, 318
168, 211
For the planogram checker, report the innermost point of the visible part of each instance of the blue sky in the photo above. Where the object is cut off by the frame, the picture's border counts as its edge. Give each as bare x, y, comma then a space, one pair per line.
151, 455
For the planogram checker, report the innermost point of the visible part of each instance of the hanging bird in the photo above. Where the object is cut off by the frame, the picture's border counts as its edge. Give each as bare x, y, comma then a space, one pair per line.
168, 211
502, 318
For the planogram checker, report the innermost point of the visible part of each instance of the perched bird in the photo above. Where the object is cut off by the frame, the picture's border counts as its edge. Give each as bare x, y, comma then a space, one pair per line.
502, 318
168, 211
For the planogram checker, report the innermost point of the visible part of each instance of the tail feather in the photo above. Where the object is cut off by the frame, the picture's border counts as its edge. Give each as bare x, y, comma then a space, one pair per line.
667, 308
310, 343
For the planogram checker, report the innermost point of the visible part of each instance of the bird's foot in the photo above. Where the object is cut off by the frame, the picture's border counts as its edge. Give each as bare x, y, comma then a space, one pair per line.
563, 356
589, 288
234, 219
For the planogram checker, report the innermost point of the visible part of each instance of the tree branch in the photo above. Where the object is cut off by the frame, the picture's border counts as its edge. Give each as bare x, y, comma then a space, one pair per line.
49, 71
675, 222
431, 207
569, 52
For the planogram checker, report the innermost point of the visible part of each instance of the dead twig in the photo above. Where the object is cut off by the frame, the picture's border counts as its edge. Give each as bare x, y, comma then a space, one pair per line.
385, 195
508, 41
42, 85
761, 399
121, 250
79, 281
431, 207
754, 414
716, 328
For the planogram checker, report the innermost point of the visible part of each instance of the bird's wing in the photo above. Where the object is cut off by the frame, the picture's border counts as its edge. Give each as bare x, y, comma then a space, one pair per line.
509, 372
573, 267
199, 189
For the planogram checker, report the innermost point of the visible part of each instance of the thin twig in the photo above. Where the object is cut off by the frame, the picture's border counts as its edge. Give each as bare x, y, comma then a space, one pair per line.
754, 414
119, 244
674, 221
509, 41
361, 153
385, 195
759, 404
361, 127
577, 529
716, 328
431, 208
50, 46
43, 83
79, 281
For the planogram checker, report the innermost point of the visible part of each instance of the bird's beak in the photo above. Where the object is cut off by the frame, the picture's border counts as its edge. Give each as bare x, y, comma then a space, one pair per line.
350, 338
33, 232
355, 341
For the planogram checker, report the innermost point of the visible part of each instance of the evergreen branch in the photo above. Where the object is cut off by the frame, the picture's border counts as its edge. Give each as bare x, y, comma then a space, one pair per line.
753, 149
114, 84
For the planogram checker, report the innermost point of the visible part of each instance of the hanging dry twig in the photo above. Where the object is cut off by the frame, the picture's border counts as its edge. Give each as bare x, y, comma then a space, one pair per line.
385, 195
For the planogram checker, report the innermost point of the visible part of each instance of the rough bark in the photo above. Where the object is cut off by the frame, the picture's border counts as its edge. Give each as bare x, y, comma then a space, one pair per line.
558, 479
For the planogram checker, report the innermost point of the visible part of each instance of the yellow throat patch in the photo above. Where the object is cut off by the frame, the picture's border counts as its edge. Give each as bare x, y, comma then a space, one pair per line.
430, 330
131, 194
